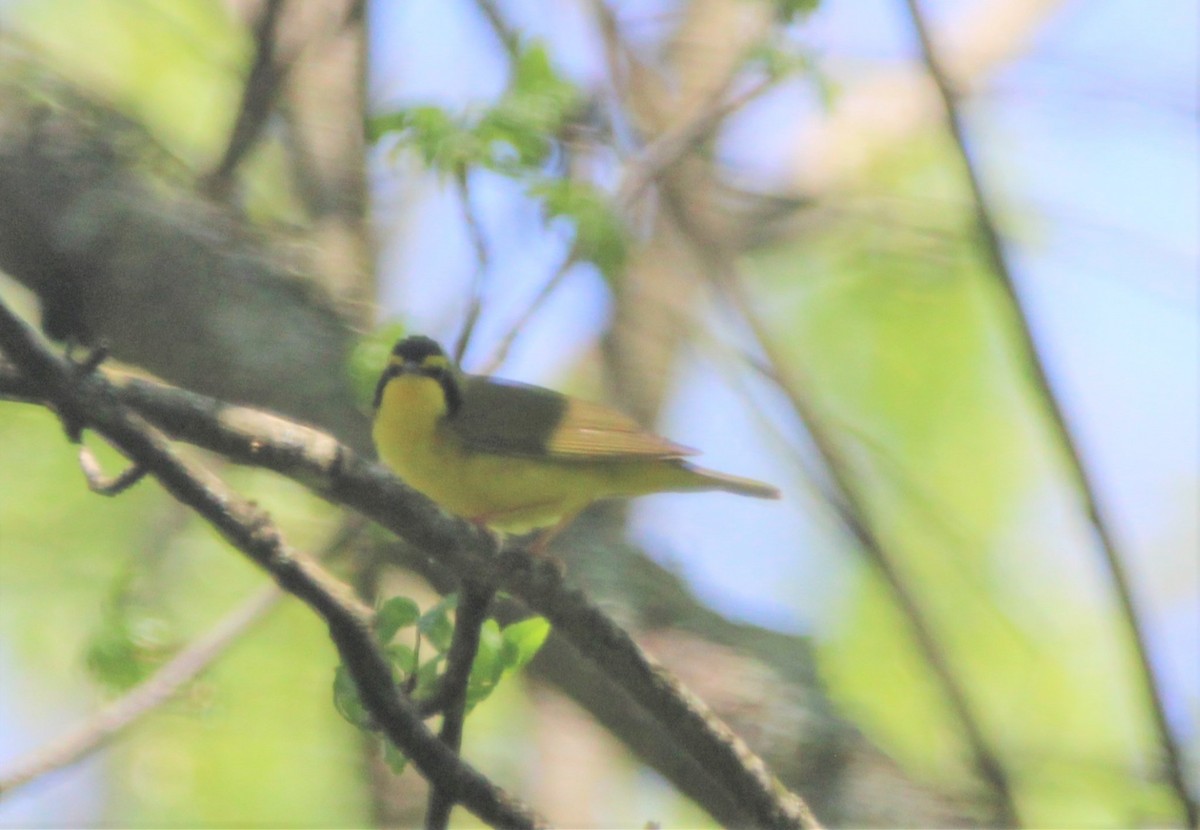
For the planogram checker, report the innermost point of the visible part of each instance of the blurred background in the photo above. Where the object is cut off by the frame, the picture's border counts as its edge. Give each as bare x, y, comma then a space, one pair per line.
744, 222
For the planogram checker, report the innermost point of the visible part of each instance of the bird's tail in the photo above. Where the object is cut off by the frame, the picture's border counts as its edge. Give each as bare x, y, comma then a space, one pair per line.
713, 480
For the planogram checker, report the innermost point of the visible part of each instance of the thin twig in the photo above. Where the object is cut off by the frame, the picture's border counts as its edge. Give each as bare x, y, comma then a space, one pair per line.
89, 400
1112, 560
500, 353
669, 147
511, 42
474, 599
479, 243
666, 150
98, 482
118, 716
506, 34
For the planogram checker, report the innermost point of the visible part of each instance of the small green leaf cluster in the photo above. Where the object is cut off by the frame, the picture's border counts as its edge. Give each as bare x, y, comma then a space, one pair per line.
789, 11
501, 651
368, 357
130, 642
600, 236
515, 137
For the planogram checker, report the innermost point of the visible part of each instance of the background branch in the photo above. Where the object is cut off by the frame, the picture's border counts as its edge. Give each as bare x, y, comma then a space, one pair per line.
1111, 559
855, 516
263, 81
112, 721
108, 724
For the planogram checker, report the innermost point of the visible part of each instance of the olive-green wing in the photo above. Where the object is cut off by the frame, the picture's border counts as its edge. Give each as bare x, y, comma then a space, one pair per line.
509, 418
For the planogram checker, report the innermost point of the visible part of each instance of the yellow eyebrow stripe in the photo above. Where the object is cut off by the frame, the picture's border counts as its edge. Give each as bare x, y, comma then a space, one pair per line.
436, 361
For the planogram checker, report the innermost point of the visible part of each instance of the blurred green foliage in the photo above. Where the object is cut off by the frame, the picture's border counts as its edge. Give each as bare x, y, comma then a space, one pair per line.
244, 744
906, 349
367, 359
512, 136
600, 236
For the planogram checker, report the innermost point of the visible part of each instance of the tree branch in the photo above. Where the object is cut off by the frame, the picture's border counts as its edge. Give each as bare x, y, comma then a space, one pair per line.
1111, 559
114, 719
504, 345
661, 154
259, 93
482, 262
165, 683
316, 460
474, 599
853, 514
88, 400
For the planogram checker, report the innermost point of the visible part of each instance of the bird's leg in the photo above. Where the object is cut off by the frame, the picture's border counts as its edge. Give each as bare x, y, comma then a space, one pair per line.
506, 515
544, 537
481, 522
542, 543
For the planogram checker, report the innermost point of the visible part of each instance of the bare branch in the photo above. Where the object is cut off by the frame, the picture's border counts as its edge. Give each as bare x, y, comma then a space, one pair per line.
1111, 558
479, 243
118, 716
508, 37
667, 149
500, 353
263, 81
835, 155
99, 483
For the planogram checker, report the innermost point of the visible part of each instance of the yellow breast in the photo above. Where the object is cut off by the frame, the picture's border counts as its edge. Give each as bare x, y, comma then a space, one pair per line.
514, 494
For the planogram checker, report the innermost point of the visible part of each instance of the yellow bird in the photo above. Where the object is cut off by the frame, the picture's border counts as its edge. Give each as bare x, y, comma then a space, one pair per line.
517, 457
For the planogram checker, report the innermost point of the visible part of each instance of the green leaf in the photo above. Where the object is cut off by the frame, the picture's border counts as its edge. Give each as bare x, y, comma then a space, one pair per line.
530, 115
435, 623
347, 702
112, 658
394, 758
534, 72
127, 646
403, 660
368, 358
789, 10
427, 676
513, 137
390, 122
393, 615
599, 233
445, 142
522, 640
488, 667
